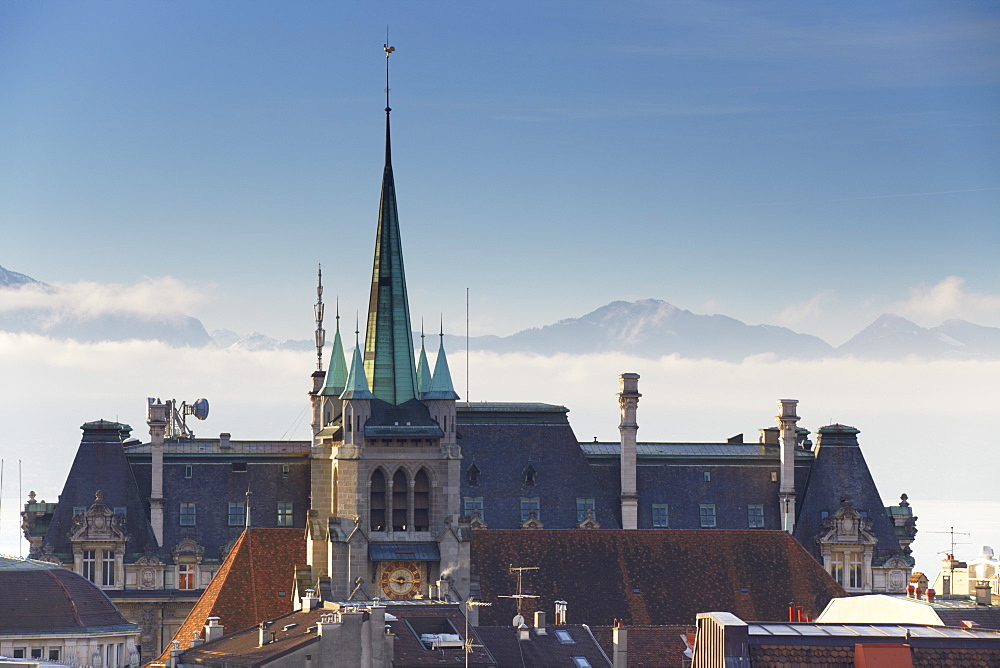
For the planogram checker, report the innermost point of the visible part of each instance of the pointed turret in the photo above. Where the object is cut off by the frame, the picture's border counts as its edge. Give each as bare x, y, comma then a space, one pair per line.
423, 368
336, 376
388, 340
357, 383
441, 385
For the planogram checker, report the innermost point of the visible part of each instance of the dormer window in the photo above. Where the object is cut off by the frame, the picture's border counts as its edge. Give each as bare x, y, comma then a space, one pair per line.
473, 473
529, 474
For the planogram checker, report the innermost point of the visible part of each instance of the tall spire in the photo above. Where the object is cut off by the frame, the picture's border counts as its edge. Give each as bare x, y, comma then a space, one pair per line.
423, 368
318, 312
388, 359
441, 385
336, 376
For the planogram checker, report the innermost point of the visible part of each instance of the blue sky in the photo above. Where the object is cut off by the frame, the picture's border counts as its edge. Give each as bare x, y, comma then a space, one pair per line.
741, 158
807, 164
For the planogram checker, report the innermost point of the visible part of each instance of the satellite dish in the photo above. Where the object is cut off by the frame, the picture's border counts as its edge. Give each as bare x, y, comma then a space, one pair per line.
201, 408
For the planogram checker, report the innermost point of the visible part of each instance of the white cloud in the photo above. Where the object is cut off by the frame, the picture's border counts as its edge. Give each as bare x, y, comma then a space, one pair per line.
930, 305
152, 297
808, 311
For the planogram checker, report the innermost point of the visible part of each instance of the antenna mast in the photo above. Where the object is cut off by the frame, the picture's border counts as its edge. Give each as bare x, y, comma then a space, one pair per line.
519, 596
318, 312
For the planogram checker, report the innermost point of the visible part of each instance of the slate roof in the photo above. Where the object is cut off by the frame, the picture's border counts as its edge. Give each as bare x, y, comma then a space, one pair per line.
840, 469
674, 474
101, 465
542, 650
985, 617
501, 451
649, 577
254, 583
649, 646
214, 483
39, 597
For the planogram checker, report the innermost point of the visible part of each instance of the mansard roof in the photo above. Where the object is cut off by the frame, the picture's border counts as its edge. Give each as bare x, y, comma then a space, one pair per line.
502, 451
649, 576
100, 465
254, 583
840, 475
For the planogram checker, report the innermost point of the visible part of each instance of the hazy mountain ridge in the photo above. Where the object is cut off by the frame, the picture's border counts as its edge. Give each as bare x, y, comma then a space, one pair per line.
648, 328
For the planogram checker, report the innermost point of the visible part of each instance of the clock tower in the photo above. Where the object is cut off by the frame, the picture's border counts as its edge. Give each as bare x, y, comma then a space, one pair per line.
385, 501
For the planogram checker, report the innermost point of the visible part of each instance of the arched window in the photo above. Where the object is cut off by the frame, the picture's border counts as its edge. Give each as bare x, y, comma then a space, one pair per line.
377, 501
421, 501
400, 506
473, 474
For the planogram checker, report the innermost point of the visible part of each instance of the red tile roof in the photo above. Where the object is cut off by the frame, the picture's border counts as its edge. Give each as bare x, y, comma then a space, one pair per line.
653, 577
253, 584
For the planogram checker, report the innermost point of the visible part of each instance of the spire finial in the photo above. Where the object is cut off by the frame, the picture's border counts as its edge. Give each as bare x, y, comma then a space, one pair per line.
421, 330
318, 312
388, 50
442, 326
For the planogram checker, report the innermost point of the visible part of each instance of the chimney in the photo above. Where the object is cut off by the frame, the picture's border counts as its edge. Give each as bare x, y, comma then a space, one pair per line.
540, 622
266, 635
310, 601
326, 622
175, 652
787, 420
224, 440
156, 418
983, 595
628, 402
523, 632
213, 629
619, 639
196, 639
560, 619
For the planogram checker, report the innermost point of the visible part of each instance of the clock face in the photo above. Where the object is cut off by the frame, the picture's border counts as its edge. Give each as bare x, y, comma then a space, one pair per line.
400, 579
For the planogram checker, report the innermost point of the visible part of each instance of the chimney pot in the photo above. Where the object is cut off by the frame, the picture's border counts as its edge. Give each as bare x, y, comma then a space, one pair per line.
213, 629
540, 623
523, 632
224, 440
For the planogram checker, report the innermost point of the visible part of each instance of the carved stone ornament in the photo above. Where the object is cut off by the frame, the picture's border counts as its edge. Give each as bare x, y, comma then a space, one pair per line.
589, 522
532, 522
847, 526
188, 551
98, 523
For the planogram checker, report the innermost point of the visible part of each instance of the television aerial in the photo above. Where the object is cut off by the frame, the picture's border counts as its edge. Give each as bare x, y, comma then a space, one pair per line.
177, 416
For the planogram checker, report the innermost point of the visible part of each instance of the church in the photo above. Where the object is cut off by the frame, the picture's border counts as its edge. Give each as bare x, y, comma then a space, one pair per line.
400, 478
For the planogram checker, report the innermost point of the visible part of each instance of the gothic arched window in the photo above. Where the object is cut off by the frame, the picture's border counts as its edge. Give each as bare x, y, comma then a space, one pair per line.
377, 501
421, 501
400, 505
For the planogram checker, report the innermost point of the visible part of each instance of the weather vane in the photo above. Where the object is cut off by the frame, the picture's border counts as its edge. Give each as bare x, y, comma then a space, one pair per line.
388, 50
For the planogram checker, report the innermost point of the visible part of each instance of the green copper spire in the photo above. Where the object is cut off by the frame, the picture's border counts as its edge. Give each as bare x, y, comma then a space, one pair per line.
423, 368
357, 384
441, 386
389, 360
336, 376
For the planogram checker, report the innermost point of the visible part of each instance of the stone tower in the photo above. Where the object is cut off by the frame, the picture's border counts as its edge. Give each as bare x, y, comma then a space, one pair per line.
385, 487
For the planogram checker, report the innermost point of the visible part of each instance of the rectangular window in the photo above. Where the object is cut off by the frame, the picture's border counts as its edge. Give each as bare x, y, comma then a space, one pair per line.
774, 476
661, 520
837, 567
19, 652
707, 515
708, 476
188, 471
36, 652
108, 568
237, 514
284, 513
582, 506
121, 510
755, 516
284, 470
187, 515
185, 576
239, 467
474, 508
54, 653
79, 510
90, 565
530, 508
855, 562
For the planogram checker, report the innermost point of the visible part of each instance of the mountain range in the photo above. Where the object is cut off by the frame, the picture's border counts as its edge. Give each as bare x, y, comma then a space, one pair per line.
647, 328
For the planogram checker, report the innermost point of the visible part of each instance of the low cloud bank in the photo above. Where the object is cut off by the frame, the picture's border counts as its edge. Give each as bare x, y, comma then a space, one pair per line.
924, 425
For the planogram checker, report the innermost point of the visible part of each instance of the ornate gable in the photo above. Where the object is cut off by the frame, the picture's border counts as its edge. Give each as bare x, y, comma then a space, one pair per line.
98, 524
